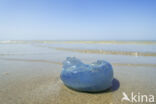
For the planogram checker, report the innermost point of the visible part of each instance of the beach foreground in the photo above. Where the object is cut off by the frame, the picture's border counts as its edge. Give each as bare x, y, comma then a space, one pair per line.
30, 71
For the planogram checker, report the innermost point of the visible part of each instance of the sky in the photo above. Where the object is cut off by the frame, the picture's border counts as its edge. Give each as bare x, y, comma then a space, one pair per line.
77, 19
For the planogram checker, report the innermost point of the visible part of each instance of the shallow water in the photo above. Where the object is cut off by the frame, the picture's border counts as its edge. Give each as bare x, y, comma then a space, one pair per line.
29, 70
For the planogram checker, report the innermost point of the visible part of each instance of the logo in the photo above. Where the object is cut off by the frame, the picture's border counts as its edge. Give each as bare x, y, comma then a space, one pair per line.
135, 98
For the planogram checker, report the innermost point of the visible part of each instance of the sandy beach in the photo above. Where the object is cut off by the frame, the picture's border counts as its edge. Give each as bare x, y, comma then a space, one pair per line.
30, 70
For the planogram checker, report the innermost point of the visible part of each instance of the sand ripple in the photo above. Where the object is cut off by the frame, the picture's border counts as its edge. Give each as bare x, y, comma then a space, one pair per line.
59, 63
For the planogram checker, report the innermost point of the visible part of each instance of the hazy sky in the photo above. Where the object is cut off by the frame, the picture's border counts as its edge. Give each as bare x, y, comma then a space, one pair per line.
77, 19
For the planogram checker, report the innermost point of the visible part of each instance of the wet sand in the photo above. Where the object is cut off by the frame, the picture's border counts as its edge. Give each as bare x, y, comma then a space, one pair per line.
29, 72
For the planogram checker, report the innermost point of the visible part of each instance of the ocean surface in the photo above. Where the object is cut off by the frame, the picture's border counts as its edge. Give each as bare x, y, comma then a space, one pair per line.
29, 70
